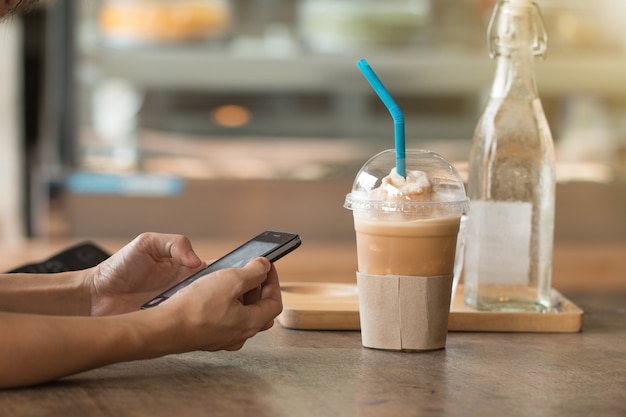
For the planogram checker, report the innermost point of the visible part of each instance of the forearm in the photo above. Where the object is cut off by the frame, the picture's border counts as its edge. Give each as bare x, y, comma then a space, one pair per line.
36, 349
56, 294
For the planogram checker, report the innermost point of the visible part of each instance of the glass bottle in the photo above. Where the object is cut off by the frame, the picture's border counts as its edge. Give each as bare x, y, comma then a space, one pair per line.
511, 183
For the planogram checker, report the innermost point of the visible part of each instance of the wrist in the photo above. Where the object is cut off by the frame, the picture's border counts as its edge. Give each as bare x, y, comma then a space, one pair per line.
64, 293
154, 333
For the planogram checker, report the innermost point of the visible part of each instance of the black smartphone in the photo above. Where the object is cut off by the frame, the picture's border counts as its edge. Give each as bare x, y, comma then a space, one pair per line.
269, 244
80, 256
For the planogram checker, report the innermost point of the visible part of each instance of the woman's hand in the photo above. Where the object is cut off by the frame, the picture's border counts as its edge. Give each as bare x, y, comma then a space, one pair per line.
147, 266
222, 310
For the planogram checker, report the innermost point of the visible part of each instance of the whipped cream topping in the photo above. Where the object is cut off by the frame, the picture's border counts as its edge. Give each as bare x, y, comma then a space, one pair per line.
394, 187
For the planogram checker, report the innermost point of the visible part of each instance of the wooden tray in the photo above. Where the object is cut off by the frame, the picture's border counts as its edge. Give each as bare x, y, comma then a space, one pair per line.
330, 306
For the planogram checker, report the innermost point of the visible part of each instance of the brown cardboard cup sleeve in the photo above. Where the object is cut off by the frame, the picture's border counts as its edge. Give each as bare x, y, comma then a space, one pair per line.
400, 312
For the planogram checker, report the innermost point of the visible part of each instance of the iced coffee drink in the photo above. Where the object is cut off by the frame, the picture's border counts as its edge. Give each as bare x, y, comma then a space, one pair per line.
406, 232
423, 247
402, 243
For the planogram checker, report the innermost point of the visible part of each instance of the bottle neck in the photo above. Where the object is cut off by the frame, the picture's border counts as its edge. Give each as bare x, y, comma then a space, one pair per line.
516, 35
515, 76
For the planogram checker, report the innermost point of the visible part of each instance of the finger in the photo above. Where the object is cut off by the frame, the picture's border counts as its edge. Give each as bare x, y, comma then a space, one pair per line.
252, 275
182, 251
271, 287
267, 326
235, 346
269, 306
176, 247
252, 296
263, 312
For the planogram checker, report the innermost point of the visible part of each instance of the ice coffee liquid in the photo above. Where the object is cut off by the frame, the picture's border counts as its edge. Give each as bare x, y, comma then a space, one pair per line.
405, 246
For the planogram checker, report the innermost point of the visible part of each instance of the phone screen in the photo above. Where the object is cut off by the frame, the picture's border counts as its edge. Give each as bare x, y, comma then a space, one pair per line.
271, 245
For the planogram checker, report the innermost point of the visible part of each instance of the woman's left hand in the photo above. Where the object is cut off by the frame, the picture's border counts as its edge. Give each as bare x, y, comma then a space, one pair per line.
147, 266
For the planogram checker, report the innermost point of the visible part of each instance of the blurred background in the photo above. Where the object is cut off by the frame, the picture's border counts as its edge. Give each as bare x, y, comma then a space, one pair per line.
226, 117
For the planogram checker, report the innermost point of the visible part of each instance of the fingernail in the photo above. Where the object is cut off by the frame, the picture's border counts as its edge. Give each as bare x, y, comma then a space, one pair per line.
267, 263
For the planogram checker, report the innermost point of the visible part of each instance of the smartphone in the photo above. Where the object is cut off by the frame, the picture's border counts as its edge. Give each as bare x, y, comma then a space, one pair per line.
80, 256
269, 244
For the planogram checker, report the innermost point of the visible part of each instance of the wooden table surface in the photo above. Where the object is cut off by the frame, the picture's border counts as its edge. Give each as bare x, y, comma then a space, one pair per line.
294, 373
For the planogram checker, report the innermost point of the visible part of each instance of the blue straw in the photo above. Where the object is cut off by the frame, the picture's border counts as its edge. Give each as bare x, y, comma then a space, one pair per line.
394, 110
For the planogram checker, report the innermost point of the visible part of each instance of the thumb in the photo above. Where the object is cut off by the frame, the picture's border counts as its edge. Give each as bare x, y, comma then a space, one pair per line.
253, 274
177, 247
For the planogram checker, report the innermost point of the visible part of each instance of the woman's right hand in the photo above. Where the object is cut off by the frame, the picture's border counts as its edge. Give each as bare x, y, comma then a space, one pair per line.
222, 310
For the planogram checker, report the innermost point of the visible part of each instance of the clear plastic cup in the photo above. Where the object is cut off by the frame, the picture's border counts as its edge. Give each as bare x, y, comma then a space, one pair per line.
406, 234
